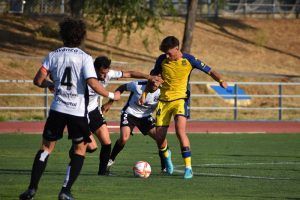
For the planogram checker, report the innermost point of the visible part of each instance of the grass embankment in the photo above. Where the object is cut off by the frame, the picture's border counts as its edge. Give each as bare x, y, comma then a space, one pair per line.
241, 49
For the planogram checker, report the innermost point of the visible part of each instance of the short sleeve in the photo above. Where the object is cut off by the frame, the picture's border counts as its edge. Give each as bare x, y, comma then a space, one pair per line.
114, 74
198, 64
46, 63
157, 67
88, 68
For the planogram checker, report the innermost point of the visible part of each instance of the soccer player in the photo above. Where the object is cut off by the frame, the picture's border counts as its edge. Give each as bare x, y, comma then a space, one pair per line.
71, 69
97, 122
134, 114
175, 68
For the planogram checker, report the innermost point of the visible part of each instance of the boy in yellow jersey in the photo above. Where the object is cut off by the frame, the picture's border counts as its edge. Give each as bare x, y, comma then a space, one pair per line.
175, 68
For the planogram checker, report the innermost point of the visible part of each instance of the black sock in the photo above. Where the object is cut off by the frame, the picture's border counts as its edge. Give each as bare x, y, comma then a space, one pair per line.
116, 150
38, 167
71, 152
162, 161
73, 171
104, 157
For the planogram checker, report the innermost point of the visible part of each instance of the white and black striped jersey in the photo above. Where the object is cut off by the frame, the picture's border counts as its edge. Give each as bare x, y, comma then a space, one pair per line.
132, 107
94, 100
69, 69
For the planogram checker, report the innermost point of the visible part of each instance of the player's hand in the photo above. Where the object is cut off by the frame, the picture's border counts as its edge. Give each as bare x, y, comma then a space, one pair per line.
142, 99
223, 84
51, 88
117, 95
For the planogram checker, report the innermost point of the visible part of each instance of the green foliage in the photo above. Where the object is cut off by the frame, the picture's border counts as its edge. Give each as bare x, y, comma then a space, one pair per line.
127, 16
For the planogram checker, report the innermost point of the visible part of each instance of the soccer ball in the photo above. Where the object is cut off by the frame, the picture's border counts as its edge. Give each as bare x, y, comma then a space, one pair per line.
142, 169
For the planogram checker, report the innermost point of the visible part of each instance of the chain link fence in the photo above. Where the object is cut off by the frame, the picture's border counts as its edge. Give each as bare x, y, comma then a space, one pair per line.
206, 8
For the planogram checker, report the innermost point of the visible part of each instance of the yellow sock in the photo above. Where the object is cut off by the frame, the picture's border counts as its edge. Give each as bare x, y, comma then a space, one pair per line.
187, 156
188, 162
165, 151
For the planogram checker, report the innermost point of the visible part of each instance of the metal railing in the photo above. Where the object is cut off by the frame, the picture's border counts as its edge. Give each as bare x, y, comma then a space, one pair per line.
275, 92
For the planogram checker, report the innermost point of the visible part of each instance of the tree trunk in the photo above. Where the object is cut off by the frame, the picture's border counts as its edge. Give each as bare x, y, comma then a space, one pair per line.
189, 26
76, 7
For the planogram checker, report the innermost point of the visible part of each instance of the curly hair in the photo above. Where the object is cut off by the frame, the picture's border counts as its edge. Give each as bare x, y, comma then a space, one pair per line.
168, 43
72, 32
102, 62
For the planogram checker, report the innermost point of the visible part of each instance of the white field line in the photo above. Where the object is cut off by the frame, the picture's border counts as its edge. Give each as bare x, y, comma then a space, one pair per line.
242, 164
238, 175
234, 176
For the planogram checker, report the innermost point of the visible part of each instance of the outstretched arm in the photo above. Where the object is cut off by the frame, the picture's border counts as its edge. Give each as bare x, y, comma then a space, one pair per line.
98, 88
217, 77
134, 74
105, 107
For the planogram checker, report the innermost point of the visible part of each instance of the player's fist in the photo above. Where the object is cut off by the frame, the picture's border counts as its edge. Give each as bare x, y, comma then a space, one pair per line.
117, 96
223, 84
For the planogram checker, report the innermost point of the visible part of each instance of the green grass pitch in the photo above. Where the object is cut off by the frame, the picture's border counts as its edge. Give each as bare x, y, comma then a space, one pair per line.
231, 166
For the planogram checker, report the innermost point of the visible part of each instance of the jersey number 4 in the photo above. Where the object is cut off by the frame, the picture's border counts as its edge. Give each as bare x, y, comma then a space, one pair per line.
67, 78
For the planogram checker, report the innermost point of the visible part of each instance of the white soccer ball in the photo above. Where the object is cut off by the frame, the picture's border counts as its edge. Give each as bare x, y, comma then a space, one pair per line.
142, 169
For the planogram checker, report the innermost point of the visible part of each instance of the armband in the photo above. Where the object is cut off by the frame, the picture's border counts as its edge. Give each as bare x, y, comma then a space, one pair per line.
111, 95
221, 81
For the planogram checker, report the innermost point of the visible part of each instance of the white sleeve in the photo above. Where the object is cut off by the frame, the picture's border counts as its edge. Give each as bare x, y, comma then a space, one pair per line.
114, 74
88, 68
46, 63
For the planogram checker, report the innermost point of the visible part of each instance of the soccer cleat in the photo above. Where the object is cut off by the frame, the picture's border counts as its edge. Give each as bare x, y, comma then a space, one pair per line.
65, 196
163, 171
27, 195
169, 164
188, 173
110, 163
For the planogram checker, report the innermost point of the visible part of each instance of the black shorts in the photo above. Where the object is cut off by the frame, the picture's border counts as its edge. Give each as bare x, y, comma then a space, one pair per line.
78, 128
96, 120
144, 124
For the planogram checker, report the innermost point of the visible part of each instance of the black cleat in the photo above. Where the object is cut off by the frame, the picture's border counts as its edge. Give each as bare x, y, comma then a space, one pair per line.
27, 195
65, 196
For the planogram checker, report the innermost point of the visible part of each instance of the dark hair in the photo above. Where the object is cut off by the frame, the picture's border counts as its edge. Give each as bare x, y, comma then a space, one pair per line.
168, 43
72, 32
102, 62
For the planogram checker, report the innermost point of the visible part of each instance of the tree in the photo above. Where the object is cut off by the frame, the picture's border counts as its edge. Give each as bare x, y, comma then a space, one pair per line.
76, 7
128, 16
189, 26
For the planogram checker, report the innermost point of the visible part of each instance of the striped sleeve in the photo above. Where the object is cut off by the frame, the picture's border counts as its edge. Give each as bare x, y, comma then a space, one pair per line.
157, 67
198, 64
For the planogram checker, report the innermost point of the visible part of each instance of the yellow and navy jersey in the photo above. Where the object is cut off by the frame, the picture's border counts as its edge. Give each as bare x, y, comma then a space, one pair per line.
176, 75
